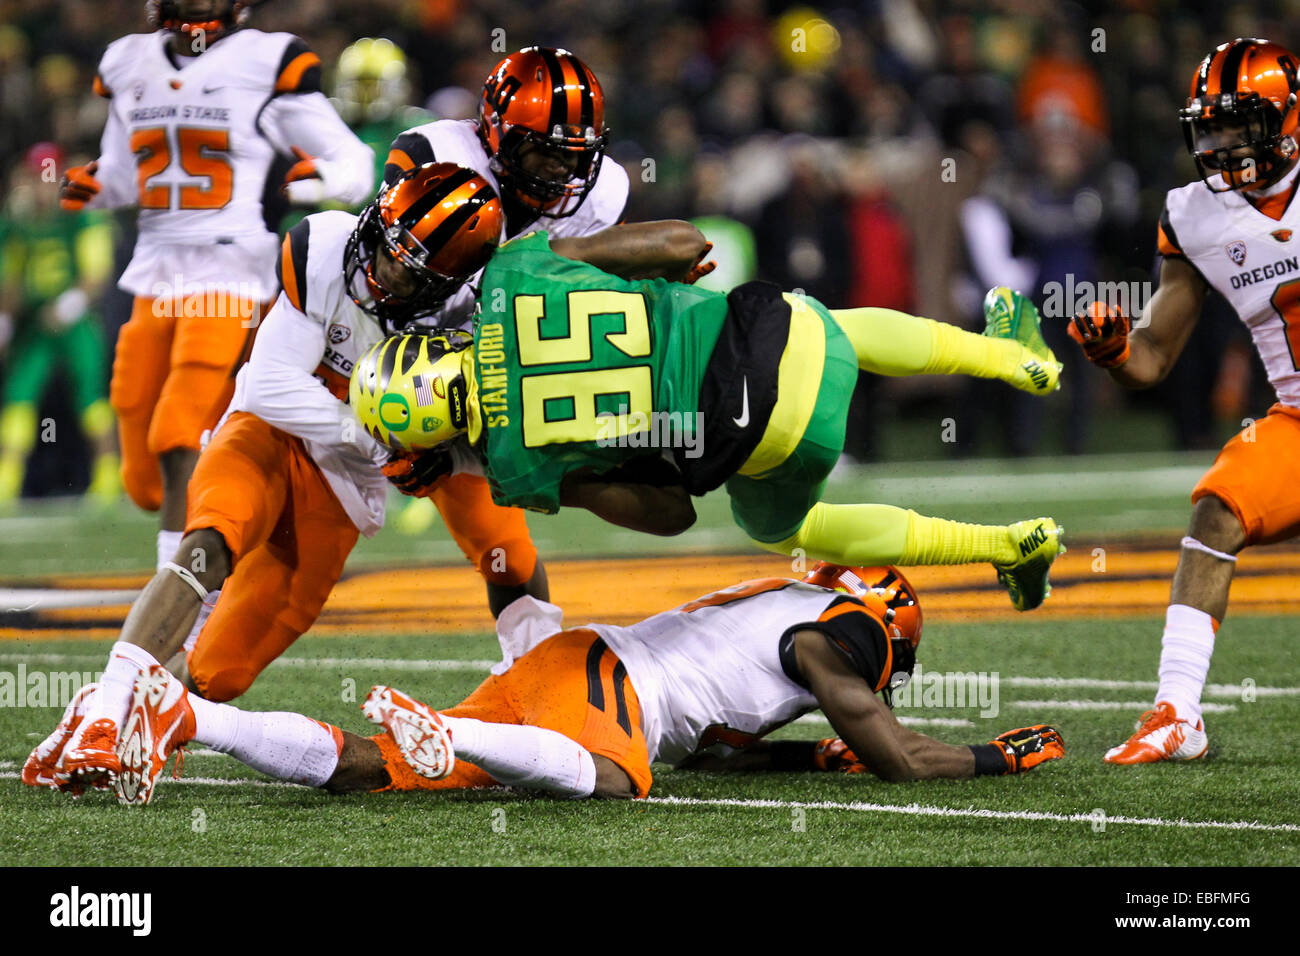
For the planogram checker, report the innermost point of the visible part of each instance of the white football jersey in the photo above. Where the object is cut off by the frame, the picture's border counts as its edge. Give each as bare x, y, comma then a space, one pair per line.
191, 142
710, 673
457, 141
1250, 259
297, 376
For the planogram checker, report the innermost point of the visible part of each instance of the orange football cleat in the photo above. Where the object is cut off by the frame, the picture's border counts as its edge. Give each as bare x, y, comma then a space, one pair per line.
420, 734
90, 757
160, 722
1162, 735
45, 762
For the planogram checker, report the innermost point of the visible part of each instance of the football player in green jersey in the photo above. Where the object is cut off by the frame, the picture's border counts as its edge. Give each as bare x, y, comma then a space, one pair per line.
54, 267
598, 379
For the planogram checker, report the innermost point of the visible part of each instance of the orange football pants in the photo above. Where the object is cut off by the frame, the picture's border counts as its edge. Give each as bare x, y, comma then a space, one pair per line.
288, 537
493, 538
173, 376
1257, 475
570, 683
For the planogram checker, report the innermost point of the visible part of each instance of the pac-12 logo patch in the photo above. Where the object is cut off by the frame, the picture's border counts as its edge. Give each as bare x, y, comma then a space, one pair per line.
339, 333
1281, 235
1236, 251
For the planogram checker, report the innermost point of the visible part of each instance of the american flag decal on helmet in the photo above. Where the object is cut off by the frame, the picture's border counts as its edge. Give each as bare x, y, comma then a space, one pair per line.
423, 391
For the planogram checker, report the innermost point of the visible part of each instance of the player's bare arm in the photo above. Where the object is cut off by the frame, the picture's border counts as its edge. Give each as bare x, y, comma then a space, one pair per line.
652, 509
1144, 356
641, 250
868, 726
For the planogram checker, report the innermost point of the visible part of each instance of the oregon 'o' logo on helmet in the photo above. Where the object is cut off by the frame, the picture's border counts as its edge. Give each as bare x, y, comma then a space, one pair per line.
409, 391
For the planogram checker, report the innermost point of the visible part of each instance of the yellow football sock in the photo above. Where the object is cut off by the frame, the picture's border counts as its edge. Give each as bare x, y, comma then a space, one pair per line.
18, 427
940, 541
883, 534
97, 419
894, 343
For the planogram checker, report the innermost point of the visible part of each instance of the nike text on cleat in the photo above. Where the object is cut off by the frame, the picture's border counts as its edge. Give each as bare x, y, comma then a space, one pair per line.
420, 734
159, 722
90, 756
1010, 315
1161, 735
44, 763
1037, 544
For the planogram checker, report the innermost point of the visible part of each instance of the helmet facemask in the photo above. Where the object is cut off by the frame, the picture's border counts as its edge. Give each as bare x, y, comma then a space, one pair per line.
393, 311
166, 15
553, 198
1238, 145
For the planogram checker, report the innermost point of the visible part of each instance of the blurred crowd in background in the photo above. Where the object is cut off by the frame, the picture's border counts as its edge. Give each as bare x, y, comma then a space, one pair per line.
898, 153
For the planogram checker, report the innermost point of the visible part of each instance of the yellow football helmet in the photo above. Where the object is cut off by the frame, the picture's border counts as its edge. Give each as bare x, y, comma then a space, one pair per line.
409, 391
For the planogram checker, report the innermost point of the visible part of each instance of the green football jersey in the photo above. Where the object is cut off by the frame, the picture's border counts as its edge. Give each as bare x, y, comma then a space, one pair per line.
44, 256
575, 368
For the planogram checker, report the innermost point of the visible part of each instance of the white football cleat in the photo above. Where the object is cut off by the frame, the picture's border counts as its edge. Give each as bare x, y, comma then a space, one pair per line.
420, 734
159, 722
1161, 735
45, 762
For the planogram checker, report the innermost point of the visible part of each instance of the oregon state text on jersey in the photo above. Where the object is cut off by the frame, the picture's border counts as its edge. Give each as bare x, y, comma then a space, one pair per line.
1252, 260
191, 142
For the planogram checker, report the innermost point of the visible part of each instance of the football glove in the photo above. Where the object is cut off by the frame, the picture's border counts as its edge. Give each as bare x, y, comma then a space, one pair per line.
833, 755
79, 187
417, 474
312, 180
1026, 748
1102, 330
699, 269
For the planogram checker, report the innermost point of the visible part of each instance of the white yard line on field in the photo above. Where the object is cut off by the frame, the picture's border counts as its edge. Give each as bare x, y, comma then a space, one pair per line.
922, 810
1109, 705
911, 809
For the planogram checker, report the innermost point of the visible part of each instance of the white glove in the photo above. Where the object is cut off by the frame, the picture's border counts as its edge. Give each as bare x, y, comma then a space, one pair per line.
313, 180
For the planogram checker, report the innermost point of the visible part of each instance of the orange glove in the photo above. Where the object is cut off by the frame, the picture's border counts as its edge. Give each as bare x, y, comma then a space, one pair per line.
834, 755
700, 268
1102, 330
1026, 748
79, 187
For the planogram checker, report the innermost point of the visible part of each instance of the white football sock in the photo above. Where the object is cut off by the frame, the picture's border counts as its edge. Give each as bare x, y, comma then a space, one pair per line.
282, 745
530, 757
112, 697
1185, 653
168, 542
205, 609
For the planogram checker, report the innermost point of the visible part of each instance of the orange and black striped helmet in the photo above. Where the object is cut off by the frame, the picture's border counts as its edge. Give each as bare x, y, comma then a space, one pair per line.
543, 100
442, 222
1241, 118
892, 600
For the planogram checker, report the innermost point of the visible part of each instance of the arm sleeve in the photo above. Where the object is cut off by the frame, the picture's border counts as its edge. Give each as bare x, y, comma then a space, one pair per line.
857, 635
280, 389
116, 172
308, 121
1166, 239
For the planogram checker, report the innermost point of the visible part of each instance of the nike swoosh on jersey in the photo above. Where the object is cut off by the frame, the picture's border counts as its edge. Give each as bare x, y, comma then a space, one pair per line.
743, 420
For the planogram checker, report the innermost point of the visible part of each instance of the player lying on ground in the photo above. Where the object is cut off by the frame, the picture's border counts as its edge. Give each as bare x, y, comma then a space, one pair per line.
1241, 125
199, 112
589, 364
585, 711
290, 480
